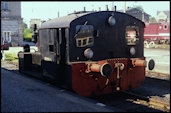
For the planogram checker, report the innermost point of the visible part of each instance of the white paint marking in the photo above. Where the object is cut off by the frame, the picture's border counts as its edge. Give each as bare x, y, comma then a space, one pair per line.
160, 34
100, 104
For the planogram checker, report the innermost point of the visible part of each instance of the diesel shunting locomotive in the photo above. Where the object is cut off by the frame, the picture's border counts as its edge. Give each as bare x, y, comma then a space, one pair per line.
92, 53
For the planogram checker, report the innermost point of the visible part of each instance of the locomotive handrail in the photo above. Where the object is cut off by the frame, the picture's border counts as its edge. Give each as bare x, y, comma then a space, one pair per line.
60, 36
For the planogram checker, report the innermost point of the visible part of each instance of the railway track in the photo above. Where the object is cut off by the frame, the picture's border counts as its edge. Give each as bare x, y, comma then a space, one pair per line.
149, 102
130, 102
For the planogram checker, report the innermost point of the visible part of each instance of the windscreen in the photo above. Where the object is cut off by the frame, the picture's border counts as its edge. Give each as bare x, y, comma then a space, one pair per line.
84, 35
132, 35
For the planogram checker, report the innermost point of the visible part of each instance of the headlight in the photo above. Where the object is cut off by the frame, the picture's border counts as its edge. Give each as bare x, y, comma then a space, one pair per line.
111, 20
132, 51
88, 53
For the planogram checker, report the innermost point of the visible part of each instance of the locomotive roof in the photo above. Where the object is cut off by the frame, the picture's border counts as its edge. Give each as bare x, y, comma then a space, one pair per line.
62, 22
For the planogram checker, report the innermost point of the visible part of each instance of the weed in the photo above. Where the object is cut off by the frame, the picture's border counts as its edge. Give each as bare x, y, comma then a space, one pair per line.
11, 57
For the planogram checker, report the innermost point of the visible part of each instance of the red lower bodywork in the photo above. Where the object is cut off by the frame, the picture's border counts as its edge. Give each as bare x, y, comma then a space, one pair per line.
93, 83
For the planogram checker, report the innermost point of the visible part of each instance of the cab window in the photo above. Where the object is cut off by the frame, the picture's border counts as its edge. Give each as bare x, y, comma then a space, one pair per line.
132, 35
84, 35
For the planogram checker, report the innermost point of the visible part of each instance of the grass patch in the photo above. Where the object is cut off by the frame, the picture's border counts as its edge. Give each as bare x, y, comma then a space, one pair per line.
13, 57
163, 46
160, 46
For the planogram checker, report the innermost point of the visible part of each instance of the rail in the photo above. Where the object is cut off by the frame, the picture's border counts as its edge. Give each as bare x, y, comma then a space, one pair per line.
149, 102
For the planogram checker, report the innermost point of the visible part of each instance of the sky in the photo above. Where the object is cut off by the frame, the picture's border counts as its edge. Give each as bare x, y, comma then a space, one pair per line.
48, 10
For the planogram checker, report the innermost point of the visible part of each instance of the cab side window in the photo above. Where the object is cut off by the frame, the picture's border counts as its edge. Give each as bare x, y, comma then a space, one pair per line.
84, 35
51, 40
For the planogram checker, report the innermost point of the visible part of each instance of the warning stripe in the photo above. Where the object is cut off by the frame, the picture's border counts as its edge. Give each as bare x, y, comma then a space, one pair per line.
160, 34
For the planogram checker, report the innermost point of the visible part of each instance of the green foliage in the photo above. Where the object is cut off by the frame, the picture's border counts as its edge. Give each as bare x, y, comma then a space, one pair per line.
152, 20
138, 7
27, 34
11, 57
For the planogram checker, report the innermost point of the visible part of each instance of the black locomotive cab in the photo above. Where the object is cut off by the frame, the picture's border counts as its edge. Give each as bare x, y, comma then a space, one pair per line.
87, 51
105, 35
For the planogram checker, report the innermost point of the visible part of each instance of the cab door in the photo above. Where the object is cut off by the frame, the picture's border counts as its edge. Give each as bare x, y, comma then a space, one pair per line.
53, 49
61, 55
48, 47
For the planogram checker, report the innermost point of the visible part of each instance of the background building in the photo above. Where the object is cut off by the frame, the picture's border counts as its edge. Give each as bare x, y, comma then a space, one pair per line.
11, 23
35, 21
163, 16
141, 15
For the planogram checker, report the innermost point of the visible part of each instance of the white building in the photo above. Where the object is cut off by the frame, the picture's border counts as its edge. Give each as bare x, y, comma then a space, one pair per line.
163, 16
35, 21
11, 23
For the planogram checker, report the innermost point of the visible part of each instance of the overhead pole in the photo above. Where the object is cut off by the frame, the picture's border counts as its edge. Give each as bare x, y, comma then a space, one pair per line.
107, 9
99, 8
112, 6
125, 7
84, 9
143, 16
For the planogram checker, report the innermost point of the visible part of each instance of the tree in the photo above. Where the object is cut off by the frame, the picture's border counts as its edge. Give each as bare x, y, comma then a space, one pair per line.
27, 33
152, 20
138, 7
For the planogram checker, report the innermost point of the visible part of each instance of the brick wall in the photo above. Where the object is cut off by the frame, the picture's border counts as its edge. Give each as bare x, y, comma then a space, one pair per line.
12, 22
14, 26
14, 10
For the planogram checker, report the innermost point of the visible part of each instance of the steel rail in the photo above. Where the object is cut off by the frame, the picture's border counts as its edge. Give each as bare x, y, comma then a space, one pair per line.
153, 103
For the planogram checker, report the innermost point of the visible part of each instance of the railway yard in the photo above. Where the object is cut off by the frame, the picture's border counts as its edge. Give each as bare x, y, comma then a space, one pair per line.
153, 95
110, 59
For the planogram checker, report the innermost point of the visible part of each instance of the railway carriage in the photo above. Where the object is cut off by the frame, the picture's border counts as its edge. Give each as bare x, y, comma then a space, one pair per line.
157, 32
92, 53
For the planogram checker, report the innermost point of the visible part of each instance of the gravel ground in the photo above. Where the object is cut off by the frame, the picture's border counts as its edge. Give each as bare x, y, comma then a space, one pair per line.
155, 88
123, 101
158, 75
9, 65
